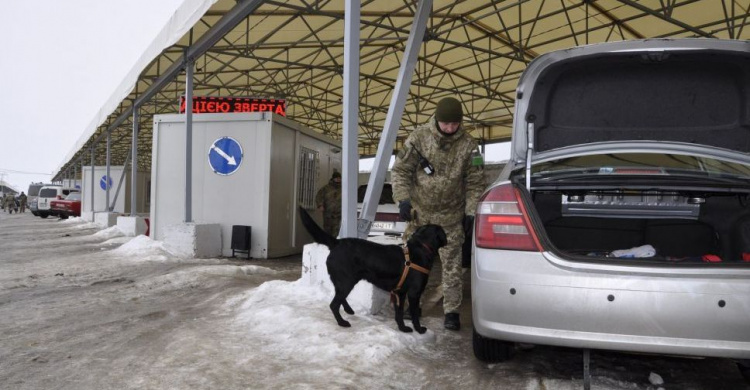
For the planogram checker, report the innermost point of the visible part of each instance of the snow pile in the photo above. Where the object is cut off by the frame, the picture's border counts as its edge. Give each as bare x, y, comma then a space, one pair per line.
142, 248
110, 232
72, 220
296, 324
81, 223
116, 240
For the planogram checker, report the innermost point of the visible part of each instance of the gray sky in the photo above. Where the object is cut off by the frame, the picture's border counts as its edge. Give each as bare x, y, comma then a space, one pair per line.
60, 61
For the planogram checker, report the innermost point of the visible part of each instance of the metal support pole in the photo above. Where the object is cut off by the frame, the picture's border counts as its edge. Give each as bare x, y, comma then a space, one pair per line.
93, 178
119, 183
134, 164
188, 137
586, 369
393, 119
350, 162
107, 177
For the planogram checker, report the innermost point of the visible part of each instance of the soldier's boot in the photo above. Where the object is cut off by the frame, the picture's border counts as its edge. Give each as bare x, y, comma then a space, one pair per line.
452, 322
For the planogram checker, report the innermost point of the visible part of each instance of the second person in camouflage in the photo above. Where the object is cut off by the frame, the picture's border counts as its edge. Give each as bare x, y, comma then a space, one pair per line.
437, 179
328, 200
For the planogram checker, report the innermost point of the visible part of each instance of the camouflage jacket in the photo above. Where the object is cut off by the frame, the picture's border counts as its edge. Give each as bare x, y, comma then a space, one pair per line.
330, 198
454, 188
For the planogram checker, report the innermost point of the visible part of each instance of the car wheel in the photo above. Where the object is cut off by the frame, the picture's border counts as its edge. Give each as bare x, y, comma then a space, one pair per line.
63, 216
490, 350
34, 213
43, 215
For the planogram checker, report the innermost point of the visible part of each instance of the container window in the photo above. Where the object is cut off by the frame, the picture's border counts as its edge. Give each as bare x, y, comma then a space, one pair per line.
308, 173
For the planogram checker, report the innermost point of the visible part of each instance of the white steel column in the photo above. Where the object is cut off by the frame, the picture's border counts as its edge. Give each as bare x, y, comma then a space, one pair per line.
393, 119
133, 164
106, 181
188, 138
350, 162
93, 179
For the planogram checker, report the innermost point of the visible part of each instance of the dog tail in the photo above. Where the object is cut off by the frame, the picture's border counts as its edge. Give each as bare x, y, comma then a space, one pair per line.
319, 235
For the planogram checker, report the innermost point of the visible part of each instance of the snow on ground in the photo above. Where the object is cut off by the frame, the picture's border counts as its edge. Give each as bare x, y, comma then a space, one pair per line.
131, 316
281, 311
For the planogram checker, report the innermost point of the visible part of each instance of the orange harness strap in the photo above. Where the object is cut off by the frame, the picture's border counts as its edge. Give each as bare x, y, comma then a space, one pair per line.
407, 265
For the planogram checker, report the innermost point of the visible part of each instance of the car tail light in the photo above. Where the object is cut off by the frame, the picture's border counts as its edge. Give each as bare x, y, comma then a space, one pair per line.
502, 221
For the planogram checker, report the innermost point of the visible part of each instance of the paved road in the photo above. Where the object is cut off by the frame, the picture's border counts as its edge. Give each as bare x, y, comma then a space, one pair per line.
77, 314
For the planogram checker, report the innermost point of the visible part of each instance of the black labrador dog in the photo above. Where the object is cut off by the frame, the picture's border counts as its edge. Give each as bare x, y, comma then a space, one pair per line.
388, 267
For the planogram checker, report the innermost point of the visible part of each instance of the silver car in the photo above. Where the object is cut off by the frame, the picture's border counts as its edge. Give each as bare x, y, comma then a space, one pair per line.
622, 220
387, 219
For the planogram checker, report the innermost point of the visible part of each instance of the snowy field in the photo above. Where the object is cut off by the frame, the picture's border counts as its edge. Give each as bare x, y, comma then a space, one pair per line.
86, 308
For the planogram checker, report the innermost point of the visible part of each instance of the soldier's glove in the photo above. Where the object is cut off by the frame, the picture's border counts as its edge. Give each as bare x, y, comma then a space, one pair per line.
404, 210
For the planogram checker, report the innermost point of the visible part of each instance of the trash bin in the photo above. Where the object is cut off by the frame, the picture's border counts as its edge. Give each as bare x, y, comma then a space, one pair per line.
241, 239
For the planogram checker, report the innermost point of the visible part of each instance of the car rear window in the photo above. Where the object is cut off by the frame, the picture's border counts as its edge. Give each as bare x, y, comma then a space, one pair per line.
34, 190
385, 197
74, 196
48, 193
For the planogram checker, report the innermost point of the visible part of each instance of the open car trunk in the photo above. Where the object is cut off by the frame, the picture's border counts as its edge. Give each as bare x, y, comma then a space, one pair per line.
664, 226
639, 145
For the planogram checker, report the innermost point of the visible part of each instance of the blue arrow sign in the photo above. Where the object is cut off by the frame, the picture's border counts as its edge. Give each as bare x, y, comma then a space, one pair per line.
225, 156
105, 182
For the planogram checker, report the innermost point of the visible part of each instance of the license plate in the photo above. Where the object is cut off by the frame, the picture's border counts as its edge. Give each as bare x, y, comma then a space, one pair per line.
383, 225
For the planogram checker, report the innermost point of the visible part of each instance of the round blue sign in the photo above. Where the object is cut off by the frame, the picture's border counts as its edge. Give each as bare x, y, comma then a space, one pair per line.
225, 156
105, 182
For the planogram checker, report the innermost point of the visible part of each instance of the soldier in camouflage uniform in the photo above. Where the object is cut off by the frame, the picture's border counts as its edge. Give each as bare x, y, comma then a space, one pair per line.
328, 200
10, 203
22, 200
437, 179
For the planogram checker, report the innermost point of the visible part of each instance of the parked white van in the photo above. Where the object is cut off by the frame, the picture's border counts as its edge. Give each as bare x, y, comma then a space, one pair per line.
49, 193
31, 196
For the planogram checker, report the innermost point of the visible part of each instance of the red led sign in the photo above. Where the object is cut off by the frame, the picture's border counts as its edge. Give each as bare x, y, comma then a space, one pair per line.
215, 105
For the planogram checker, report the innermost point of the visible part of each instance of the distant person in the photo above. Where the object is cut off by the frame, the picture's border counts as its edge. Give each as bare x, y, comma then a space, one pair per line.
22, 200
328, 200
10, 203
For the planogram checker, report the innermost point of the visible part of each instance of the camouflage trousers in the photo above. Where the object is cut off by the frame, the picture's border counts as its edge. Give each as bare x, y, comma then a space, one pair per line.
450, 258
332, 225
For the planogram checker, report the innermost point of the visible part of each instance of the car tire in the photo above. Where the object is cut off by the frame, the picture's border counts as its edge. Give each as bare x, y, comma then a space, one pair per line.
34, 213
490, 350
63, 216
43, 215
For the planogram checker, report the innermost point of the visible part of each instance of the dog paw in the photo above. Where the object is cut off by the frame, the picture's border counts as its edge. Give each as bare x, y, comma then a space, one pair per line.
421, 330
344, 324
405, 329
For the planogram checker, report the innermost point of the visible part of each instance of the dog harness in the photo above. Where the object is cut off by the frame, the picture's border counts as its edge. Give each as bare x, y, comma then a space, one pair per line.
407, 266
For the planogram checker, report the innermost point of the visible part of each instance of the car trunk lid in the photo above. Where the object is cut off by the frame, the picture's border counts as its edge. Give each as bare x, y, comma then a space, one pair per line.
689, 91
